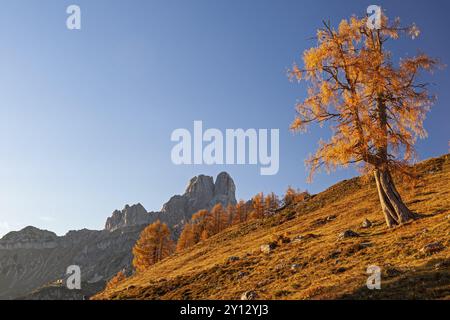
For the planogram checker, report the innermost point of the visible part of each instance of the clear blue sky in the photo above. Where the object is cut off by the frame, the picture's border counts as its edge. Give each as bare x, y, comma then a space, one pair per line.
86, 116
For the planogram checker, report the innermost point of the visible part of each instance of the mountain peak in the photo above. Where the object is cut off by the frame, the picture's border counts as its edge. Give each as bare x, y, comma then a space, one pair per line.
224, 190
202, 192
29, 234
129, 216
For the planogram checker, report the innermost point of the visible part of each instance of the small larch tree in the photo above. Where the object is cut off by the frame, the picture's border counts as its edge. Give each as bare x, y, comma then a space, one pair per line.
153, 245
258, 206
217, 220
231, 213
376, 108
116, 280
289, 196
200, 225
240, 213
292, 196
186, 238
271, 202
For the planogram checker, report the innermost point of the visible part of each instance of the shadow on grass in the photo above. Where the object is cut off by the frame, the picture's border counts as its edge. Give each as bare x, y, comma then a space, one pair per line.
430, 281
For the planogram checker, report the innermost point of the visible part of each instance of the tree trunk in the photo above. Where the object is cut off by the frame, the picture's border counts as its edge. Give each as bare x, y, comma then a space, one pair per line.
394, 209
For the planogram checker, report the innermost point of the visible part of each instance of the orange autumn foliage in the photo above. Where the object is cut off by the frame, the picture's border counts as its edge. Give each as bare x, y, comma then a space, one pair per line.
153, 245
118, 278
294, 196
376, 107
258, 206
240, 213
217, 220
193, 231
271, 202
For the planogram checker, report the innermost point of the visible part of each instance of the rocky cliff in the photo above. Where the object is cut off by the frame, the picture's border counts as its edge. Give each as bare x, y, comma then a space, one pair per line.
31, 260
129, 216
201, 193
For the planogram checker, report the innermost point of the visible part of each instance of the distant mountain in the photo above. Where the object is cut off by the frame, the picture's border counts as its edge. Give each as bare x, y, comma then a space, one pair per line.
31, 260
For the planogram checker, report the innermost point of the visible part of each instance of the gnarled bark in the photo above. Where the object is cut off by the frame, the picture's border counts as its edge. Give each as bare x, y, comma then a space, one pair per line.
394, 209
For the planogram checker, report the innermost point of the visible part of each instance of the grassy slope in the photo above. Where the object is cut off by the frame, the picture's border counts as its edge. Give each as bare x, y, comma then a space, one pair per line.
328, 268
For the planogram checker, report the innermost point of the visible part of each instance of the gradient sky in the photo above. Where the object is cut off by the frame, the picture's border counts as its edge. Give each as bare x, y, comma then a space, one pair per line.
86, 116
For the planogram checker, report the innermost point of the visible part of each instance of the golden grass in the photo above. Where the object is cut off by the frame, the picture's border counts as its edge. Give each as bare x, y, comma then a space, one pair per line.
325, 267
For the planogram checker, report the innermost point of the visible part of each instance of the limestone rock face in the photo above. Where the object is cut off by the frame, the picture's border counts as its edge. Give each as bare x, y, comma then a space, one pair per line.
29, 238
224, 190
129, 216
201, 193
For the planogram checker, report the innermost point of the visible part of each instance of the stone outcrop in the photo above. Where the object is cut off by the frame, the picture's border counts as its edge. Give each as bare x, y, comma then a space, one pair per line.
224, 190
201, 193
129, 216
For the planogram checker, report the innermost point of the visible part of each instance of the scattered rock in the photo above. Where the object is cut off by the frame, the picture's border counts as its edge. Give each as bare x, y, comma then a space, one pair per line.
366, 224
280, 267
249, 295
340, 270
334, 254
392, 272
295, 267
432, 248
363, 245
322, 221
242, 274
268, 248
442, 265
348, 234
281, 239
304, 237
233, 259
262, 283
356, 248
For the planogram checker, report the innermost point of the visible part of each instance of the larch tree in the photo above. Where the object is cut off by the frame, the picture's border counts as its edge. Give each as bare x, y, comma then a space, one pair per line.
116, 280
376, 107
153, 245
217, 220
200, 225
289, 196
271, 202
187, 238
258, 206
240, 213
294, 196
231, 214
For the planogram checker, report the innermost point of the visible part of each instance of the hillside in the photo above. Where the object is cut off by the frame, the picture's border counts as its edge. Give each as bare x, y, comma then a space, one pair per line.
314, 263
